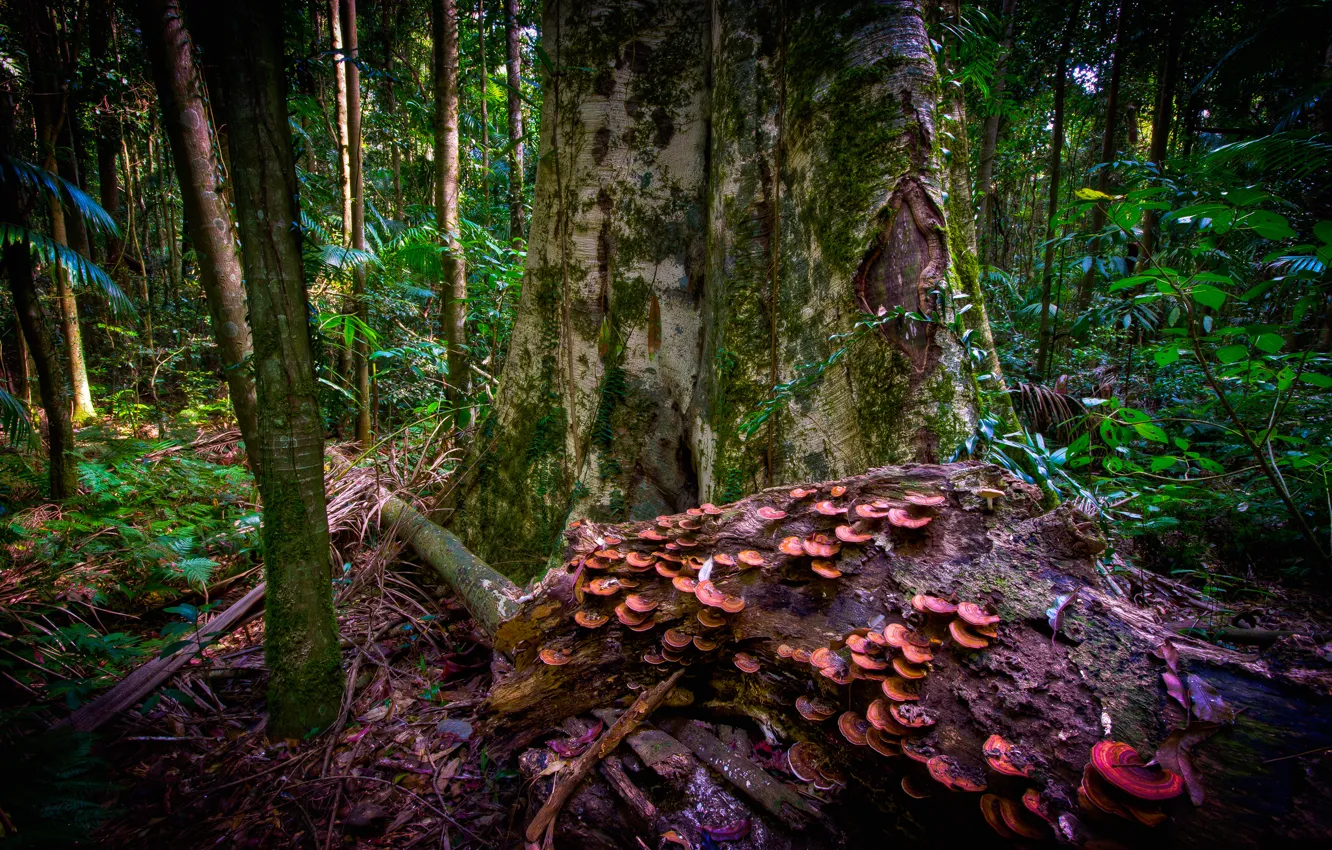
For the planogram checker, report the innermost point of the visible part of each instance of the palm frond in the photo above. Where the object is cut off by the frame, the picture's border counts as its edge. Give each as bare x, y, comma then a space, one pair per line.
42, 181
1287, 154
82, 270
14, 419
338, 257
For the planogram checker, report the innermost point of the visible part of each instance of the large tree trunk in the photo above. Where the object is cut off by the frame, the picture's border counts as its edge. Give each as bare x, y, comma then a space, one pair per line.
705, 226
1108, 156
301, 650
356, 189
514, 74
1046, 340
447, 189
180, 90
1051, 686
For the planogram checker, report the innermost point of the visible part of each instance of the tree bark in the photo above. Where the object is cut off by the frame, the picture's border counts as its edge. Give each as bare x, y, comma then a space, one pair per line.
1046, 340
1161, 121
340, 115
702, 230
1108, 157
107, 130
356, 190
34, 325
1050, 691
207, 212
301, 650
990, 139
485, 112
514, 74
447, 188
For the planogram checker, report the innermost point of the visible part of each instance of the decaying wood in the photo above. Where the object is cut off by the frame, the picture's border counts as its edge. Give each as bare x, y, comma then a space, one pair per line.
627, 722
148, 677
1053, 696
636, 800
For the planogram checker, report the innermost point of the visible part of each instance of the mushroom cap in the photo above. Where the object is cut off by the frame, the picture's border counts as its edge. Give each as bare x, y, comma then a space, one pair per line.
676, 639
877, 638
927, 604
990, 493
900, 518
914, 788
768, 512
867, 662
555, 657
800, 493
703, 644
838, 672
686, 541
665, 570
640, 603
746, 662
907, 670
724, 559
896, 689
791, 546
670, 556
628, 616
750, 557
989, 805
916, 655
804, 759
912, 715
1120, 765
685, 584
883, 745
871, 512
986, 631
604, 586
965, 637
709, 594
694, 511
1036, 804
947, 771
847, 534
1017, 819
853, 728
1004, 758
925, 500
732, 604
894, 635
827, 508
976, 615
595, 563
690, 524
815, 709
819, 545
591, 619
710, 618
825, 568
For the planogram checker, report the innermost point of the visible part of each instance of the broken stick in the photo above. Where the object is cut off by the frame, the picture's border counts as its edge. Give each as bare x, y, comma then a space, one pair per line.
646, 703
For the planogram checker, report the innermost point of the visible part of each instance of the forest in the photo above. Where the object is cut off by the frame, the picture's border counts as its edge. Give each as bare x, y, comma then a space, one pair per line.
706, 424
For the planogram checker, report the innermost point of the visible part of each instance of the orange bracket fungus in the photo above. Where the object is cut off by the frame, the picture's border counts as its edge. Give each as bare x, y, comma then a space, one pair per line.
926, 501
591, 619
746, 662
751, 558
976, 615
853, 728
932, 604
771, 513
900, 518
965, 637
1120, 765
812, 708
848, 534
948, 772
791, 546
1004, 758
825, 569
555, 657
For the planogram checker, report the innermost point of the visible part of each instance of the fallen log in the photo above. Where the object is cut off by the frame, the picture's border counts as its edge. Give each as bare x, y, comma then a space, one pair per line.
146, 679
926, 631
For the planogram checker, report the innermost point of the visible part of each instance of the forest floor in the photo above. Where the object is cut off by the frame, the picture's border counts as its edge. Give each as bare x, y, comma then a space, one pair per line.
409, 764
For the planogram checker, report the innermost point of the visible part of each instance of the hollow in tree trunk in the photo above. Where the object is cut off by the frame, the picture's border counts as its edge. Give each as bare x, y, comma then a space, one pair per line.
243, 44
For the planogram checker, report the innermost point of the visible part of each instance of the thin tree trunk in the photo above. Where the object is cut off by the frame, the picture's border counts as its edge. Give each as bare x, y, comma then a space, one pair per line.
1108, 156
340, 112
513, 71
300, 637
1161, 120
990, 139
485, 113
1052, 209
391, 106
185, 115
356, 191
34, 326
446, 196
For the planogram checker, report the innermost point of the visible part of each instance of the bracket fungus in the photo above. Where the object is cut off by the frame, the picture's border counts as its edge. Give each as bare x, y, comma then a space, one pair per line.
824, 568
884, 746
723, 559
876, 510
640, 604
801, 493
710, 619
976, 615
1020, 822
848, 534
948, 772
932, 604
629, 617
853, 728
555, 657
771, 513
965, 637
805, 760
896, 689
914, 788
989, 806
925, 501
676, 639
912, 715
791, 546
605, 586
814, 709
1120, 765
902, 519
746, 662
837, 491
684, 584
591, 619
819, 545
1004, 758
751, 558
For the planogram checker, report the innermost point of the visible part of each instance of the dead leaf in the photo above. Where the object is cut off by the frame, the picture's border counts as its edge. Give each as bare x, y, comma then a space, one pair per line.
1176, 754
1056, 613
1169, 654
1175, 688
1207, 702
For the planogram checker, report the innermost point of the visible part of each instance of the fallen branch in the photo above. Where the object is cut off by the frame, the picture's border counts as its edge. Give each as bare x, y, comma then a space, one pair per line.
147, 678
637, 713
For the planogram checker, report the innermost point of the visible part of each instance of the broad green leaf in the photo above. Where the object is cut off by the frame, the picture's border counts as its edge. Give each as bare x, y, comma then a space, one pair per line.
1093, 195
1270, 343
1318, 380
1163, 462
1166, 356
1232, 353
1323, 230
1209, 296
1269, 225
1152, 432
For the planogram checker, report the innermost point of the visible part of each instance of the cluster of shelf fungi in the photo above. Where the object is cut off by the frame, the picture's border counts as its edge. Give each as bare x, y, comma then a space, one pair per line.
676, 587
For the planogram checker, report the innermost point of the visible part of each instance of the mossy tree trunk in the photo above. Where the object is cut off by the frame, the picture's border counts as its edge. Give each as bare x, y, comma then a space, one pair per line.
725, 190
448, 186
244, 39
513, 64
207, 213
